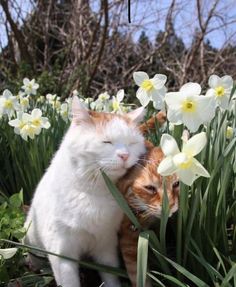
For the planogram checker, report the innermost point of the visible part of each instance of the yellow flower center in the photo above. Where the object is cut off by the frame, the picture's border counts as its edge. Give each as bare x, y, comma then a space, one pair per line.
189, 106
21, 125
29, 129
8, 104
24, 102
115, 105
220, 91
147, 85
30, 86
36, 122
186, 164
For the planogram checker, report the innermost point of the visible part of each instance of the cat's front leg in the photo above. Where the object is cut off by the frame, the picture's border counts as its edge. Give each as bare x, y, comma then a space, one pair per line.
106, 254
65, 272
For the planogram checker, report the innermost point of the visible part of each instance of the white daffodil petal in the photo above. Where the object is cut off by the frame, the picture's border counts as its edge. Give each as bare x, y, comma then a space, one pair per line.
159, 105
26, 117
227, 81
169, 145
214, 81
192, 122
139, 77
154, 95
14, 123
187, 176
223, 102
36, 113
206, 107
196, 144
120, 95
198, 169
159, 81
174, 100
210, 93
166, 167
190, 89
174, 116
143, 97
46, 123
7, 94
26, 81
8, 253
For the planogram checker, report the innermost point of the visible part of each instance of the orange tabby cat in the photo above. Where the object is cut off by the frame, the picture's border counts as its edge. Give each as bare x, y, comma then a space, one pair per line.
143, 190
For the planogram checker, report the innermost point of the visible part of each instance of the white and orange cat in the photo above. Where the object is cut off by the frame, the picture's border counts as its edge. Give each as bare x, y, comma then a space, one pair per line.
73, 212
142, 187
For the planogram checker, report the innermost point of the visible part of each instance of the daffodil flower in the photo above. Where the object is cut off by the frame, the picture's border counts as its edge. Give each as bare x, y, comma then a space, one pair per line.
54, 101
150, 89
183, 163
27, 125
221, 89
103, 97
117, 100
30, 87
7, 253
38, 121
24, 103
8, 104
18, 123
64, 112
188, 107
23, 126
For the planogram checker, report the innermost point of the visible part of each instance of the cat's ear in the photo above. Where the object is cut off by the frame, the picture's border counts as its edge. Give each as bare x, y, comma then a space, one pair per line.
137, 115
79, 112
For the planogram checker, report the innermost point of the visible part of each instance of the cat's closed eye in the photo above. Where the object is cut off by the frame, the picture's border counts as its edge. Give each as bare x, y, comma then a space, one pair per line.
107, 142
133, 143
151, 188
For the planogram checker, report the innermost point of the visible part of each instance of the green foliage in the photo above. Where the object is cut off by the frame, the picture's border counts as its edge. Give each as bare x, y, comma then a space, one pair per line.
12, 217
11, 227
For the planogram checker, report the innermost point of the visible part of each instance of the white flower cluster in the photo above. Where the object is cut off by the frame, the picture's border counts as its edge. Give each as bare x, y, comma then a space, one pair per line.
187, 106
190, 108
25, 124
106, 103
28, 125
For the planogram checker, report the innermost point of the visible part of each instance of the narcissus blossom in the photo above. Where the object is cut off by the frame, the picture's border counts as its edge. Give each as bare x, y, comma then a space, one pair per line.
29, 125
64, 112
104, 97
8, 104
24, 103
183, 163
188, 107
117, 100
30, 87
150, 89
221, 89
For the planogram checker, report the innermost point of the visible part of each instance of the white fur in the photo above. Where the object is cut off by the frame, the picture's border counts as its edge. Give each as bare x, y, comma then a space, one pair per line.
73, 212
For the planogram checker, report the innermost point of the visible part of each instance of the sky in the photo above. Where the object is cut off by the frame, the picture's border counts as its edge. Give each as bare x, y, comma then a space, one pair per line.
185, 19
151, 13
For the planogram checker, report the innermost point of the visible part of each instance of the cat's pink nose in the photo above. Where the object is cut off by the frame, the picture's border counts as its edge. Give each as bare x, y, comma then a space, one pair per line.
123, 156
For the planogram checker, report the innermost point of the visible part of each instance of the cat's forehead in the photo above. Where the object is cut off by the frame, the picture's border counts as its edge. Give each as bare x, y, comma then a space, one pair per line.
102, 119
114, 126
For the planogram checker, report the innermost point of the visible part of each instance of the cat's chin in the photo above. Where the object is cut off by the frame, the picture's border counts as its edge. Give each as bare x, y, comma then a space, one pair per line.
116, 172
